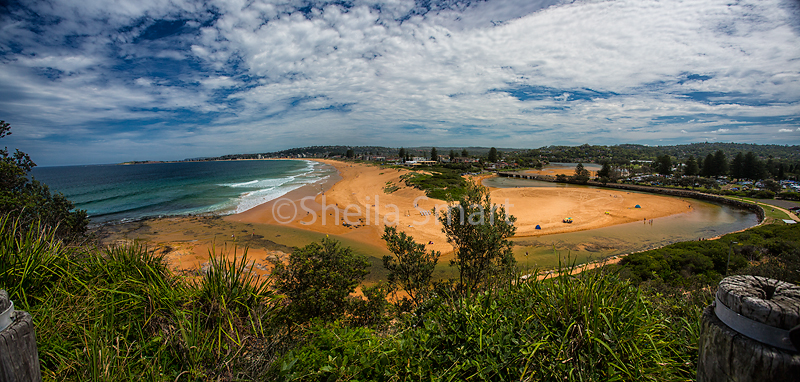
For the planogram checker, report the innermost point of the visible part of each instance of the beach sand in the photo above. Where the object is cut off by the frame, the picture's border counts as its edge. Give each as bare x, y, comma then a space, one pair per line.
363, 207
554, 170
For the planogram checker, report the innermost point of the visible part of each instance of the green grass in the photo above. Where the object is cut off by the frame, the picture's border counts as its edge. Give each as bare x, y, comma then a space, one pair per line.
118, 313
769, 210
593, 326
771, 250
441, 183
390, 187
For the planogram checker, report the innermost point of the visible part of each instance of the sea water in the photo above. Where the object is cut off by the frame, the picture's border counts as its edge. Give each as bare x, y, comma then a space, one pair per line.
112, 193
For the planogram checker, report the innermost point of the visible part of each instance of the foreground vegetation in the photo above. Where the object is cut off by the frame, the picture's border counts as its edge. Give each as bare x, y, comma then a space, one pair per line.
769, 250
118, 313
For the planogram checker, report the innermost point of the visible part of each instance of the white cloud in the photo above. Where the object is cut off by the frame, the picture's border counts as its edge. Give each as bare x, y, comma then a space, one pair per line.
785, 130
219, 82
266, 75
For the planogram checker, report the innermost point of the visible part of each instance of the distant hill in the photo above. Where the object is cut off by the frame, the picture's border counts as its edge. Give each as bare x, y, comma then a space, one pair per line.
331, 151
622, 153
626, 152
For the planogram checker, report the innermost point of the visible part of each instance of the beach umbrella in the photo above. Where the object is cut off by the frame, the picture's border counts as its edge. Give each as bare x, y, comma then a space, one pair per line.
538, 227
638, 206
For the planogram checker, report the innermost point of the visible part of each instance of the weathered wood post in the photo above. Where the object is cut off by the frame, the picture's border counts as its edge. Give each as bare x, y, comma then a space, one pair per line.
19, 359
751, 332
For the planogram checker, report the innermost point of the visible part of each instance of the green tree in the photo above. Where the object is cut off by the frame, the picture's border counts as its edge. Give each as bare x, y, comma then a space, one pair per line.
580, 170
581, 174
664, 165
317, 280
350, 153
479, 231
492, 155
721, 163
709, 166
31, 201
452, 155
737, 166
772, 185
770, 166
605, 171
753, 168
402, 153
411, 267
692, 168
464, 153
434, 154
700, 165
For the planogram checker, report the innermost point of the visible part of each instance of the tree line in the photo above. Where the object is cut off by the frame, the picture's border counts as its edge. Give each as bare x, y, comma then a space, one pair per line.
742, 166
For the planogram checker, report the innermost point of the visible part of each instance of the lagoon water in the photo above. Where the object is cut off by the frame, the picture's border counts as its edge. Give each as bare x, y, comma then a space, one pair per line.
705, 220
127, 192
113, 193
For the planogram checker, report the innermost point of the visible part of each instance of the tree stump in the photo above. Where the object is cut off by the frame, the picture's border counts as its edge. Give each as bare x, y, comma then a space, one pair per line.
744, 335
19, 359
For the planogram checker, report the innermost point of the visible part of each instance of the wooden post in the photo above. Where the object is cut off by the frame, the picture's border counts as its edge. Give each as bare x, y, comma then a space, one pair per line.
744, 335
19, 359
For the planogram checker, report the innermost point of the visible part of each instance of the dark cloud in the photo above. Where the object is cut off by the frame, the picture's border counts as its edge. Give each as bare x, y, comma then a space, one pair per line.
113, 80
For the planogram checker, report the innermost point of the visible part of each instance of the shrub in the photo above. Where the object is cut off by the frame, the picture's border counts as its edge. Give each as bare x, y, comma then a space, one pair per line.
318, 279
588, 327
31, 202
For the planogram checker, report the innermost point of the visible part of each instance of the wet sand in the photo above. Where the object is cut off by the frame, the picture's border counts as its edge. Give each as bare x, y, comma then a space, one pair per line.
355, 206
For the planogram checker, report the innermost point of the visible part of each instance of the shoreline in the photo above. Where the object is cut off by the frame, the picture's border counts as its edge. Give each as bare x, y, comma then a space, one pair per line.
355, 186
297, 193
361, 185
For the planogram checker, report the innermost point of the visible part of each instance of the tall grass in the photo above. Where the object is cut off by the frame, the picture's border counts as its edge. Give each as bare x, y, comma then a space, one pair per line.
31, 260
586, 327
118, 313
237, 303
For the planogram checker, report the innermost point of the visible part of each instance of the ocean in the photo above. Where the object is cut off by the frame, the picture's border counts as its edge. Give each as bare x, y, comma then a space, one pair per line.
113, 193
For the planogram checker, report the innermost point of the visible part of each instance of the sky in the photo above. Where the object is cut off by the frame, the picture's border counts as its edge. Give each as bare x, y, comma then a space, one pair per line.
106, 81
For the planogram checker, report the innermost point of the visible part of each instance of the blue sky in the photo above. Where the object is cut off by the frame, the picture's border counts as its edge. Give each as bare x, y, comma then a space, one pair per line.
103, 81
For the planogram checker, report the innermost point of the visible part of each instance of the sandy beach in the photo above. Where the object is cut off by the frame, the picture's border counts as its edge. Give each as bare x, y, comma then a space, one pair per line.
553, 170
355, 206
363, 208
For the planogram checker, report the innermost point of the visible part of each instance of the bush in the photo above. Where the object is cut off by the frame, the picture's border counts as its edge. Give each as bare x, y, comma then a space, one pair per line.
774, 248
30, 202
442, 183
762, 194
318, 279
683, 264
587, 327
789, 195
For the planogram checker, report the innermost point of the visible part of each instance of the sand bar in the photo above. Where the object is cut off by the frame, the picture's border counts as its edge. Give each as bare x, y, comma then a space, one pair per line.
356, 205
363, 208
